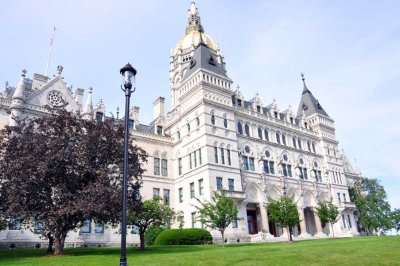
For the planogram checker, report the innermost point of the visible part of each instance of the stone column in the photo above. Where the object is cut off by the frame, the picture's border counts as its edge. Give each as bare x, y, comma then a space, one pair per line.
318, 224
264, 219
303, 227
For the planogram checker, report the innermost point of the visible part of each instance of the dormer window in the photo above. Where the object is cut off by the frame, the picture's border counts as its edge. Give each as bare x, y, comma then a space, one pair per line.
276, 114
131, 124
99, 116
291, 120
305, 124
159, 130
259, 109
239, 102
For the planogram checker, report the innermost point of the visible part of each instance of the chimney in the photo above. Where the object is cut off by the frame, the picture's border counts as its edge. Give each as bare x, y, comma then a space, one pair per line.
158, 107
134, 114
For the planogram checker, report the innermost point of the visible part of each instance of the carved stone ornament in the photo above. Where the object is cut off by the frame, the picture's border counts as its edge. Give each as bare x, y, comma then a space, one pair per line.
55, 98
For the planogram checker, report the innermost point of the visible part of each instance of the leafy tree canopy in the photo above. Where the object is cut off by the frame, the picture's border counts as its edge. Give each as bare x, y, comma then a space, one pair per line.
61, 170
328, 213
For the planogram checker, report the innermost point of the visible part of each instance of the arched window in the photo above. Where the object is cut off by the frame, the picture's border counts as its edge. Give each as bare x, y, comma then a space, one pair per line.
247, 130
240, 128
225, 123
213, 119
266, 135
278, 138
260, 133
197, 121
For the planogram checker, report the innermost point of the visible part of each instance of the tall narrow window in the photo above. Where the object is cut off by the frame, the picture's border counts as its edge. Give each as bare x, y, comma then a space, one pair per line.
344, 198
190, 160
344, 221
240, 128
239, 102
216, 154
219, 183
213, 119
180, 194
222, 155
309, 146
247, 130
180, 166
231, 184
131, 124
266, 167
266, 135
193, 219
201, 187
260, 133
284, 139
228, 153
159, 130
225, 123
251, 164
164, 167
192, 190
299, 142
349, 221
258, 109
338, 196
99, 116
313, 147
235, 223
294, 142
278, 138
178, 133
197, 121
195, 158
271, 168
166, 195
156, 166
245, 164
200, 159
188, 127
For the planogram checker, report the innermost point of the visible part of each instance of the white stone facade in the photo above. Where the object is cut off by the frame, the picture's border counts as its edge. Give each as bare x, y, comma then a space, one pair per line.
211, 139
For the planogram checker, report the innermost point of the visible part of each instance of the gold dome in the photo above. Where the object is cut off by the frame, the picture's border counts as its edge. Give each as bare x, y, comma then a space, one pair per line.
192, 38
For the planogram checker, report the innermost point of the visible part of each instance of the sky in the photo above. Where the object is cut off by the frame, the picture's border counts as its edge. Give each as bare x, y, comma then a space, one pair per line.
349, 52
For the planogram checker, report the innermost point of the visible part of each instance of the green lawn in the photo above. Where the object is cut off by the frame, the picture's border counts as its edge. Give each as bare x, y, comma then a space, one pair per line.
383, 250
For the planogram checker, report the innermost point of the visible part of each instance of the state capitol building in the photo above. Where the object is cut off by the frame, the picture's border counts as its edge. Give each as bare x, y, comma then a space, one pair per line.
213, 138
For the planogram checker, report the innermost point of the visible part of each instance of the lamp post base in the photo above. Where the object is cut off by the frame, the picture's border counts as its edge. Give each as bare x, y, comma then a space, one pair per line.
122, 262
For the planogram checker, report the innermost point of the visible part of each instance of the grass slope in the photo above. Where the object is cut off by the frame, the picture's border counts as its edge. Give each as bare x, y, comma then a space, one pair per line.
383, 250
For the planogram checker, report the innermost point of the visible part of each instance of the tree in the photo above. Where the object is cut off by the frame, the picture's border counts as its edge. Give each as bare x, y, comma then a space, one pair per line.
284, 213
372, 205
328, 213
149, 213
396, 219
218, 213
61, 170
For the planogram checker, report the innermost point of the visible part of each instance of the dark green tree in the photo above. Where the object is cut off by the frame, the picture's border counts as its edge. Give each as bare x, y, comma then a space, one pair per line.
61, 170
218, 213
149, 213
396, 219
372, 205
328, 213
284, 213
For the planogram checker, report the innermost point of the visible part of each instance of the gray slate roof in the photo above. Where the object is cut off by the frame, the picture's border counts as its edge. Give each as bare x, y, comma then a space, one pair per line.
203, 58
309, 104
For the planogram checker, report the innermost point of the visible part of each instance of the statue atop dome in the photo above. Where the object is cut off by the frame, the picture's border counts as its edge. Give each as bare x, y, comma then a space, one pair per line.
194, 22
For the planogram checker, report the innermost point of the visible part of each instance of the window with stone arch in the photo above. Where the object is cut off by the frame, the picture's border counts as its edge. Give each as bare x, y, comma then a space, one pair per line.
303, 171
247, 129
240, 128
286, 166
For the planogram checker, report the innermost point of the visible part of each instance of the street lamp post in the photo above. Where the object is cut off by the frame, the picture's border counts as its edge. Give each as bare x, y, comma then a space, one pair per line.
127, 72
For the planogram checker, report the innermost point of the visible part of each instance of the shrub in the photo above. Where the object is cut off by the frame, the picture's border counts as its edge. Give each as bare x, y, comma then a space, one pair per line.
188, 236
151, 234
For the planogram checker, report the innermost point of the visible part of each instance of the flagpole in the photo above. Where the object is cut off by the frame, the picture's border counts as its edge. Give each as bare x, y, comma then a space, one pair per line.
51, 46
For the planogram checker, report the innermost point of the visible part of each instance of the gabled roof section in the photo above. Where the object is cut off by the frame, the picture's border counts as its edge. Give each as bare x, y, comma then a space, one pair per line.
204, 59
308, 103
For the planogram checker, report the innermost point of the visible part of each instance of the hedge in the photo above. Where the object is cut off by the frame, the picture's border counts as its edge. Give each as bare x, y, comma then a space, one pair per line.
186, 236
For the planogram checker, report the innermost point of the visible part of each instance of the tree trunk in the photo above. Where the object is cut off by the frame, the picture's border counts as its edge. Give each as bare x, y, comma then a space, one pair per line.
141, 234
51, 242
333, 231
59, 239
290, 234
223, 239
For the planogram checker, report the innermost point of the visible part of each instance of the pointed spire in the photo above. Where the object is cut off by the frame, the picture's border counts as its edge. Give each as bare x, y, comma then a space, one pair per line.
201, 40
89, 105
194, 22
20, 90
305, 89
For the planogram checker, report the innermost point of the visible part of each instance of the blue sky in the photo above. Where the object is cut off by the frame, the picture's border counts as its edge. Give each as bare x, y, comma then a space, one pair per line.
348, 50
